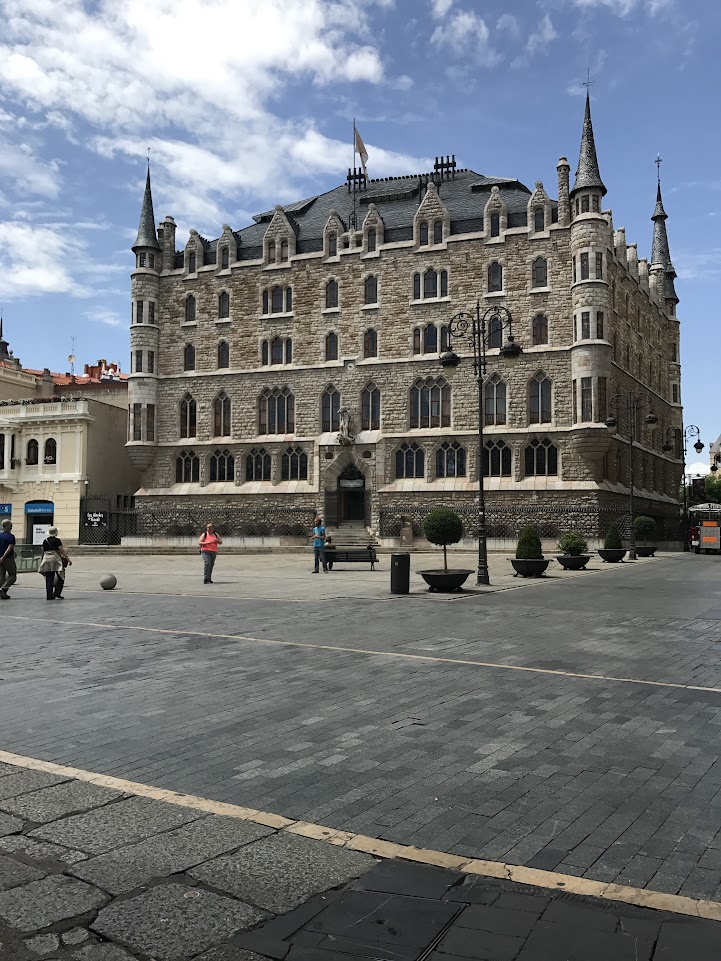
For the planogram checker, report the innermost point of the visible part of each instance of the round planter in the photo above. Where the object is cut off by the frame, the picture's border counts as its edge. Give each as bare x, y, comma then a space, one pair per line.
530, 567
445, 582
647, 550
573, 562
614, 555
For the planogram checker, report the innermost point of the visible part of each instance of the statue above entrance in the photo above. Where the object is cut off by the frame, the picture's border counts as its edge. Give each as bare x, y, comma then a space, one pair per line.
345, 438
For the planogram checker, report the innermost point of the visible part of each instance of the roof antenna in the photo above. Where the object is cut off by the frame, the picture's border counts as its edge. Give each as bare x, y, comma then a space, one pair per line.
71, 356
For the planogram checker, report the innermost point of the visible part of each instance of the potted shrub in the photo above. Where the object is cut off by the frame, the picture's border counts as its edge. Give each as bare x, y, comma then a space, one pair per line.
645, 527
529, 560
574, 552
443, 526
613, 550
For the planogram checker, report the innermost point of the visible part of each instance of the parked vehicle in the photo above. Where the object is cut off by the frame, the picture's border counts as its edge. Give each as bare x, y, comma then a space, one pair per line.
705, 528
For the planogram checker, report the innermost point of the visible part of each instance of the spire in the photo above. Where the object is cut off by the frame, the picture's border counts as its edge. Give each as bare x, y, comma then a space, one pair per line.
660, 255
6, 355
587, 174
147, 236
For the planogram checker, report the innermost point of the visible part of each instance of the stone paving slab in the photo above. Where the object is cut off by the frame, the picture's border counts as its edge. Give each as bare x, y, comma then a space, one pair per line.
36, 905
24, 782
51, 803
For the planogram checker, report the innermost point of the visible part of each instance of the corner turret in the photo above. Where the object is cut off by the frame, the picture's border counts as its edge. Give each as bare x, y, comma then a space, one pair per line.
147, 236
588, 176
660, 257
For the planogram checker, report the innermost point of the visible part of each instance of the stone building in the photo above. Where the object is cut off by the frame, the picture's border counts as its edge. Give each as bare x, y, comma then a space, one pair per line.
293, 365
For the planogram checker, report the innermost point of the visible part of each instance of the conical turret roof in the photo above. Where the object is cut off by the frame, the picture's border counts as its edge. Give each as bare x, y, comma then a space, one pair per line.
147, 235
587, 174
659, 248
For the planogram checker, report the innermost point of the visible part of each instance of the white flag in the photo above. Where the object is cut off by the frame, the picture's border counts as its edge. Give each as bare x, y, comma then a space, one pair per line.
362, 152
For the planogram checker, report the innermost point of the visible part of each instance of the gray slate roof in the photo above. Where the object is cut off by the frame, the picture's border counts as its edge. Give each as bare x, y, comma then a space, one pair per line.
659, 248
587, 174
147, 236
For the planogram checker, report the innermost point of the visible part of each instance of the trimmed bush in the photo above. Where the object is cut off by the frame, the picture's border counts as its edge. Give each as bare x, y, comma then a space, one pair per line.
573, 544
529, 544
612, 541
645, 527
443, 526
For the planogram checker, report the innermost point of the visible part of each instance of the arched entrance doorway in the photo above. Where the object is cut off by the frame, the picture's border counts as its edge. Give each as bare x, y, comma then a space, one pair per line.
346, 502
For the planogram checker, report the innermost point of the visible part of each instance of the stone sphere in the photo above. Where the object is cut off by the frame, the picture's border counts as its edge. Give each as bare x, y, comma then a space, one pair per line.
108, 582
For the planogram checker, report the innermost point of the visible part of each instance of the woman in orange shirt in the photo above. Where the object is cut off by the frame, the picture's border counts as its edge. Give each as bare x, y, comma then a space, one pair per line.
208, 544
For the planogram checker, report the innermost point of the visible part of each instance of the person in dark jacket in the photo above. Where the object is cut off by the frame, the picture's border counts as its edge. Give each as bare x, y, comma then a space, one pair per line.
53, 564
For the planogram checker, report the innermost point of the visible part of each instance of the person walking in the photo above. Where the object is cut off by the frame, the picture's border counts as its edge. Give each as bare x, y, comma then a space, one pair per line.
52, 565
208, 544
319, 545
8, 570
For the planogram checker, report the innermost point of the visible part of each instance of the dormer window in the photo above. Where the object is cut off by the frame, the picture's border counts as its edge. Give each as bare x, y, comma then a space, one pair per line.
371, 240
333, 245
585, 200
284, 251
224, 258
539, 219
595, 203
438, 232
495, 225
271, 251
191, 263
423, 234
141, 260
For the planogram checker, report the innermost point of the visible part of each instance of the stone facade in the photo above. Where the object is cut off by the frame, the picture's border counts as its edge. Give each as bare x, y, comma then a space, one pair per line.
335, 294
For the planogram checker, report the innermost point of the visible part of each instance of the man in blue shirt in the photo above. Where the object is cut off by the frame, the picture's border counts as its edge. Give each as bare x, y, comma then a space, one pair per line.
8, 571
319, 545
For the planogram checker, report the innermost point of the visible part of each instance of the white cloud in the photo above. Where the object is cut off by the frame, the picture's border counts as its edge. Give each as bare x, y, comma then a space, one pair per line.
509, 24
106, 316
538, 42
698, 468
622, 8
25, 171
37, 259
439, 8
463, 33
705, 265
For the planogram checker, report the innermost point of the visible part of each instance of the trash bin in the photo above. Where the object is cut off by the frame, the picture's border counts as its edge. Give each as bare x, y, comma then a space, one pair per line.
400, 573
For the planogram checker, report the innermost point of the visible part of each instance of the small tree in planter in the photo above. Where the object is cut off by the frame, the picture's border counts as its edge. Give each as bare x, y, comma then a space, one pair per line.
529, 560
645, 528
443, 526
574, 552
613, 550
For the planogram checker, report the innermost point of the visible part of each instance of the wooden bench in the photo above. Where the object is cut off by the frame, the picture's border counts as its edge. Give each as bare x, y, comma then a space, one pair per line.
352, 555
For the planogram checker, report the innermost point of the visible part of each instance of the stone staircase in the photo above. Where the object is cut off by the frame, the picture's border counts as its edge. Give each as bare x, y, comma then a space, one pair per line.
352, 534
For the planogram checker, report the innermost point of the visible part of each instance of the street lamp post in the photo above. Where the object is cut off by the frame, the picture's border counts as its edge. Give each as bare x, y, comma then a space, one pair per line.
634, 403
479, 330
685, 433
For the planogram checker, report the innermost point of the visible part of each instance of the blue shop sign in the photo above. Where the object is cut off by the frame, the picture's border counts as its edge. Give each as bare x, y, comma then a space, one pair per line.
6, 509
40, 507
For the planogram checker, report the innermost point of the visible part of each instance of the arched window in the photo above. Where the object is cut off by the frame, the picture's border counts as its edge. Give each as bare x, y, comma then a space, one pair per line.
190, 309
331, 293
222, 467
541, 459
495, 277
410, 461
416, 340
423, 233
276, 350
430, 340
539, 272
495, 225
331, 346
51, 451
445, 334
264, 353
271, 251
188, 411
265, 301
330, 409
223, 354
283, 251
496, 459
191, 263
288, 299
539, 399
187, 468
539, 330
221, 415
223, 304
371, 290
372, 238
332, 245
495, 333
189, 357
444, 283
494, 401
276, 300
451, 460
224, 258
276, 411
294, 464
430, 283
370, 343
288, 350
438, 232
371, 408
539, 219
416, 286
32, 453
430, 403
257, 465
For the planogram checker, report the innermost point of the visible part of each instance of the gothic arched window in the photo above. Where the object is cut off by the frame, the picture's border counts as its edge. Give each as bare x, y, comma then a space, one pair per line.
223, 305
371, 408
370, 343
283, 251
494, 401
189, 357
223, 354
451, 460
539, 219
222, 467
541, 459
276, 300
430, 403
276, 411
265, 301
539, 399
294, 464
416, 286
187, 468
257, 465
224, 258
430, 339
331, 346
410, 461
494, 337
372, 237
191, 263
330, 409
444, 283
264, 353
331, 293
495, 225
271, 251
190, 309
188, 411
495, 277
496, 459
430, 283
539, 272
371, 290
423, 233
332, 245
276, 350
221, 415
438, 232
539, 333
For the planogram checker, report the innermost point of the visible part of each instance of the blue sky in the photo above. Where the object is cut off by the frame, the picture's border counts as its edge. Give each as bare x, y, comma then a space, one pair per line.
247, 103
